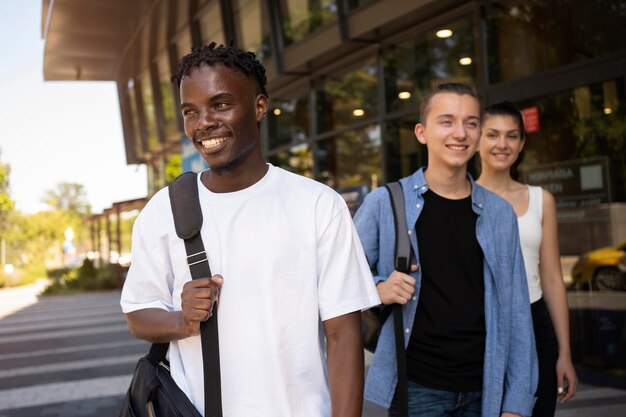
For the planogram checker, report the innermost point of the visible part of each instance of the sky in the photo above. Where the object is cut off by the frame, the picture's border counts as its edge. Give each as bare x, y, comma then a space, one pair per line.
56, 131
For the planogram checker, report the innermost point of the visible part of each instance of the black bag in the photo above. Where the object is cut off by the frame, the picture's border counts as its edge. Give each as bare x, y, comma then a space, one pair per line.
153, 392
152, 388
372, 321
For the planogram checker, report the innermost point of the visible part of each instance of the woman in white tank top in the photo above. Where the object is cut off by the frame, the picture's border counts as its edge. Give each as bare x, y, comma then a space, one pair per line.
501, 145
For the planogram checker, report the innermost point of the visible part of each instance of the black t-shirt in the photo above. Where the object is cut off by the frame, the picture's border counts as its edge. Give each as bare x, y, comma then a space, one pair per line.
447, 344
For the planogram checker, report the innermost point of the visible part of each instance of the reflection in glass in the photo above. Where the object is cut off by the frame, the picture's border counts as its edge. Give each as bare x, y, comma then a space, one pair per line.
211, 28
412, 67
167, 97
149, 112
355, 4
183, 44
288, 121
404, 153
303, 17
575, 124
182, 14
253, 27
351, 159
339, 96
297, 159
528, 37
132, 100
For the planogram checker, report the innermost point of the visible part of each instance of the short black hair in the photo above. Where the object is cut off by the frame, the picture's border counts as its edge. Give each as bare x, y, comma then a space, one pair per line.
230, 56
455, 88
506, 108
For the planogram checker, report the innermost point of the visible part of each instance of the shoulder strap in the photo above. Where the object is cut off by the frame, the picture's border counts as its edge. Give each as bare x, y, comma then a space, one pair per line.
403, 243
187, 212
185, 204
402, 264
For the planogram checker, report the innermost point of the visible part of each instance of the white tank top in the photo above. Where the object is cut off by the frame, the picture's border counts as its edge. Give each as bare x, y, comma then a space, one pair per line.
530, 238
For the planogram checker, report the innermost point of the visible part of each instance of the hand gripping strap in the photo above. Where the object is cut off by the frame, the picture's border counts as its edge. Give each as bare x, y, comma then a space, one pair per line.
188, 222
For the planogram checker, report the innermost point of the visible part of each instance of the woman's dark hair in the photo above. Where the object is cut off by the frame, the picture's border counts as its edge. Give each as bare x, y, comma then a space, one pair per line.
231, 56
507, 109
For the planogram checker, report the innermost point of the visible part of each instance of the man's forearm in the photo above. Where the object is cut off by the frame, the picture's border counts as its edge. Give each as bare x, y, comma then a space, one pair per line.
156, 325
345, 364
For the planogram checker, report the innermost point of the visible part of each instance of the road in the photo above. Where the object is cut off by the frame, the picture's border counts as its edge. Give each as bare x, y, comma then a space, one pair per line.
69, 356
72, 356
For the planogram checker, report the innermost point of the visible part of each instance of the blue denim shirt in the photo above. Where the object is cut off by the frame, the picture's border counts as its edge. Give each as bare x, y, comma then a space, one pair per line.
510, 364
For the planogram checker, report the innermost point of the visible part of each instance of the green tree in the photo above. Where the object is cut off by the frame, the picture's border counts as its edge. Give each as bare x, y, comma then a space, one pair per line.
6, 204
173, 168
68, 197
6, 208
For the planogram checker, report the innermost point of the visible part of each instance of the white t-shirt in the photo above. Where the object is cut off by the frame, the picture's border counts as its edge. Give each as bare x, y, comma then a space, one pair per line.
290, 258
530, 232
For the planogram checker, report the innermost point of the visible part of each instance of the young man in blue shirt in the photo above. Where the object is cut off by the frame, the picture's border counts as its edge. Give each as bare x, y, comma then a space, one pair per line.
467, 326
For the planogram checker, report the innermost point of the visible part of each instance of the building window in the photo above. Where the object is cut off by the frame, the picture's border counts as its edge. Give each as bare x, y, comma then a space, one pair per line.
137, 133
404, 153
298, 159
182, 14
303, 17
149, 112
183, 43
167, 98
444, 54
346, 99
288, 121
253, 27
355, 4
351, 159
211, 23
528, 37
567, 128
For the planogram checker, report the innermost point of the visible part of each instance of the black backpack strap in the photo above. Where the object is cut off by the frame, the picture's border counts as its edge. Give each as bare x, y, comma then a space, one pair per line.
402, 264
188, 222
403, 242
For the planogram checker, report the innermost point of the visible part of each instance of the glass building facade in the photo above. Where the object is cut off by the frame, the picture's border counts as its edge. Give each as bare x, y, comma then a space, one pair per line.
345, 79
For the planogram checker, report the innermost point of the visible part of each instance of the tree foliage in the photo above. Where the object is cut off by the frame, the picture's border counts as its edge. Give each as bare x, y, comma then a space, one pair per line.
34, 242
6, 204
68, 197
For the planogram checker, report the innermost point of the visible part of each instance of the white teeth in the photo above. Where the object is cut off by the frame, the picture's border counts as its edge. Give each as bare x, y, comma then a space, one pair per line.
211, 143
457, 147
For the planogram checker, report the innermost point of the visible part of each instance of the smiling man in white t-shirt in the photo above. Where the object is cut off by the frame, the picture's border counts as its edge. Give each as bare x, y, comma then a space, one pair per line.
289, 268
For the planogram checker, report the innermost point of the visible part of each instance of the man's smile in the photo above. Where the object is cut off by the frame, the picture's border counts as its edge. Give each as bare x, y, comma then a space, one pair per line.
457, 147
211, 143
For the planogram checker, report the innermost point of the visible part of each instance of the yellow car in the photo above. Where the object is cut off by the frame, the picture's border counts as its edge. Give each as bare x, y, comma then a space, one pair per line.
602, 269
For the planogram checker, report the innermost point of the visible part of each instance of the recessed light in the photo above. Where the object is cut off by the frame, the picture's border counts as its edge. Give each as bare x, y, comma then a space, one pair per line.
444, 33
277, 112
403, 95
358, 112
466, 60
608, 110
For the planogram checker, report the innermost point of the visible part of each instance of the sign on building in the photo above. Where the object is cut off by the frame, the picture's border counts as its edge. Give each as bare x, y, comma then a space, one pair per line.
191, 159
575, 183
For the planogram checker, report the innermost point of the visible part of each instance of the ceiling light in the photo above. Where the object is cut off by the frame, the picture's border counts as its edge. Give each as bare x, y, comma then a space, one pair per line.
444, 33
358, 112
466, 60
608, 110
403, 95
277, 112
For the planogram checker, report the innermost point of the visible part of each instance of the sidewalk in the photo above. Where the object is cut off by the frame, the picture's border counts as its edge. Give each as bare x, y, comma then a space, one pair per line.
64, 356
72, 356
